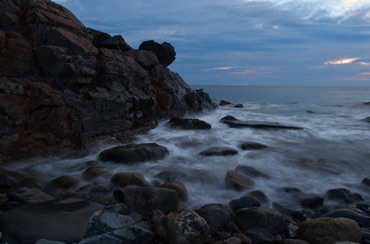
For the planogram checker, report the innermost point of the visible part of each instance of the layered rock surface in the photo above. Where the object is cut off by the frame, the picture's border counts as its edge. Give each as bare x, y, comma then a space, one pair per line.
64, 86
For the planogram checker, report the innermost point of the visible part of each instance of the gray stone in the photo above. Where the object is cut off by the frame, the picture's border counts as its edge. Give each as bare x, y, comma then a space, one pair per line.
124, 227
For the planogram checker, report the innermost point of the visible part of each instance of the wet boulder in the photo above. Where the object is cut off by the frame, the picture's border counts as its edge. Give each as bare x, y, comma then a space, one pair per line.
330, 230
244, 202
93, 172
309, 200
62, 220
105, 225
188, 124
183, 226
144, 200
366, 181
237, 181
249, 145
341, 195
224, 103
261, 218
179, 188
236, 123
133, 153
165, 52
129, 179
219, 151
61, 184
356, 215
250, 172
216, 215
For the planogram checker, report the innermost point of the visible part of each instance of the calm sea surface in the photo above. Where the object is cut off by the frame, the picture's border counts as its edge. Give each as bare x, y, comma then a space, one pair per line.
332, 151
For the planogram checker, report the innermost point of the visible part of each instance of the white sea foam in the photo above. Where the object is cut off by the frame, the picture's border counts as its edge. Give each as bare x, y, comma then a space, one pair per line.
330, 152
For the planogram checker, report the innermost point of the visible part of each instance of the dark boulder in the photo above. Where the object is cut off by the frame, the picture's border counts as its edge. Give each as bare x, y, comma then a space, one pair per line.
250, 172
239, 105
358, 216
244, 202
249, 145
188, 124
309, 200
216, 215
179, 188
219, 151
366, 181
165, 52
133, 153
93, 172
341, 195
224, 103
237, 181
235, 123
129, 179
115, 42
10, 178
60, 220
261, 218
198, 101
144, 199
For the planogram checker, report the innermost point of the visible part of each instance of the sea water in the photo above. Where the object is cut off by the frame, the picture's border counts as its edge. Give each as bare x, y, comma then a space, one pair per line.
332, 151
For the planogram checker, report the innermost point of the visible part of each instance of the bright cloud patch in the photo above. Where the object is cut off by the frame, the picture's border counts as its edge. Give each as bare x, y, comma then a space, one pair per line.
225, 68
341, 61
336, 9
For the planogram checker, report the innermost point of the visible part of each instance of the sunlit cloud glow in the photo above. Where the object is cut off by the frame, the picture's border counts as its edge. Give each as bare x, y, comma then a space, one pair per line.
341, 61
225, 68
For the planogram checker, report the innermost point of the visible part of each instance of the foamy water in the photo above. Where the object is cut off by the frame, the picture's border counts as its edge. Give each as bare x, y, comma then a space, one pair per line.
332, 151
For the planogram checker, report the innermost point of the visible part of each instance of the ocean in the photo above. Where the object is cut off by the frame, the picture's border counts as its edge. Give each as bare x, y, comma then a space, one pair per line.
332, 151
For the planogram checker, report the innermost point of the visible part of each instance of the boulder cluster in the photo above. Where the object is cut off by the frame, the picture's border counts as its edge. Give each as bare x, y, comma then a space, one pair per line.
64, 86
86, 207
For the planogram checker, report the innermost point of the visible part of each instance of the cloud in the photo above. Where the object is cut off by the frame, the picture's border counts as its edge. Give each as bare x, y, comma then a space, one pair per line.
318, 9
341, 61
364, 63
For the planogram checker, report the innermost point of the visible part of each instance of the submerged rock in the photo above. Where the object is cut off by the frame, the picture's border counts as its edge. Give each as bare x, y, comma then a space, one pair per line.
235, 123
189, 124
250, 171
330, 230
133, 153
237, 181
249, 145
219, 151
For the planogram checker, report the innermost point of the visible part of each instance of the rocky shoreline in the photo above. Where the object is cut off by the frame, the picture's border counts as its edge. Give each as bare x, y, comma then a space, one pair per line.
102, 205
65, 87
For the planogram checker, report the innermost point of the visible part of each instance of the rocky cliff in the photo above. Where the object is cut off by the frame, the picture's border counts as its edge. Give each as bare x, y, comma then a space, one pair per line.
64, 87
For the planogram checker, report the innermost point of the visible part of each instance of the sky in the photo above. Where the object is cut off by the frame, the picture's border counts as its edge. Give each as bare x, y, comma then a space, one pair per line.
246, 42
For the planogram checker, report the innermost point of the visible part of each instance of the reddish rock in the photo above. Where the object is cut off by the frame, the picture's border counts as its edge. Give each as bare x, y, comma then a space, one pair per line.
62, 89
179, 188
129, 179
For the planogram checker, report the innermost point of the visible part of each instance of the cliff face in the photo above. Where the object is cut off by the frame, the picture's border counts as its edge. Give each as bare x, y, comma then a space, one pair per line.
64, 86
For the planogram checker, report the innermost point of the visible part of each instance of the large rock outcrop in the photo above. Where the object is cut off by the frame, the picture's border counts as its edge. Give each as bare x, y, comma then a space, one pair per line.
64, 86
